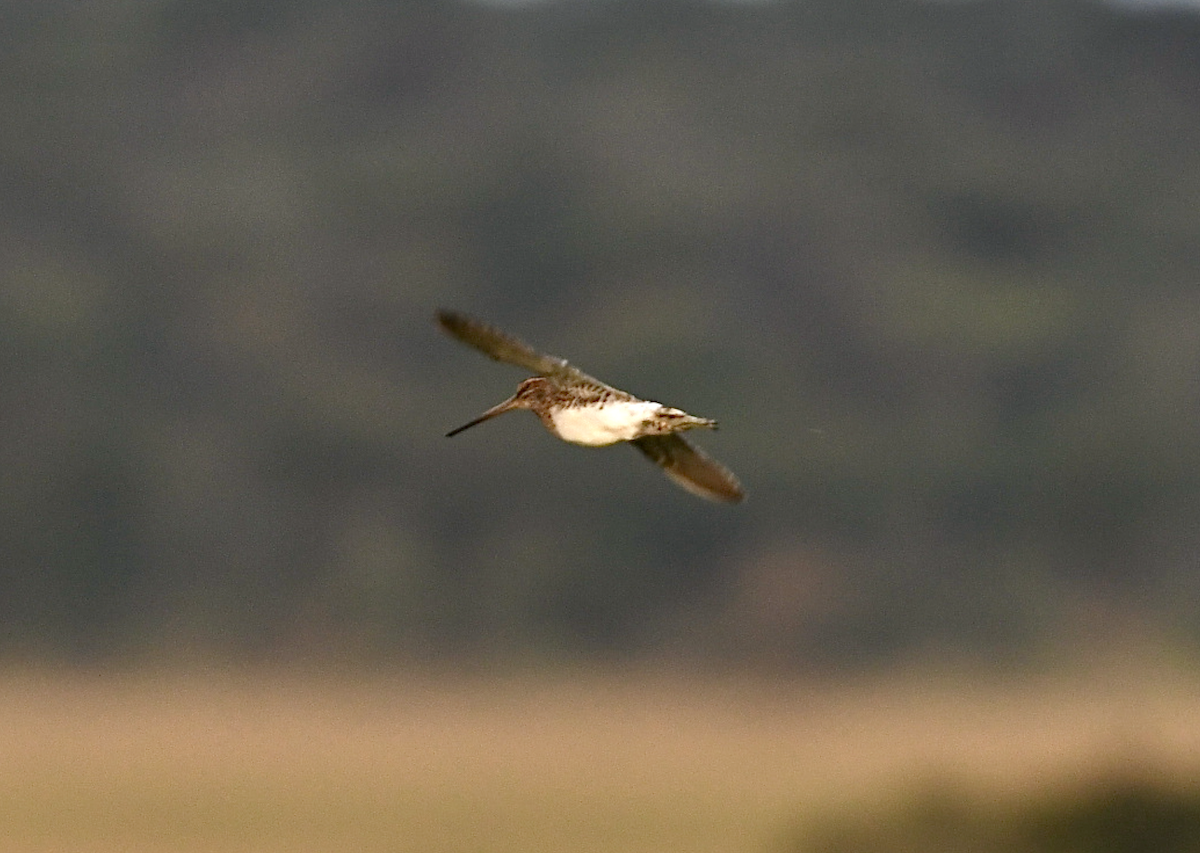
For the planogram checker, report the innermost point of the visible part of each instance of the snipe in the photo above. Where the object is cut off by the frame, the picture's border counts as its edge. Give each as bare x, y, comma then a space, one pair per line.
583, 410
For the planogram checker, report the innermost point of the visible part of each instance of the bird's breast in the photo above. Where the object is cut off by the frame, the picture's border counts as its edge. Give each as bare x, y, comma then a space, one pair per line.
598, 425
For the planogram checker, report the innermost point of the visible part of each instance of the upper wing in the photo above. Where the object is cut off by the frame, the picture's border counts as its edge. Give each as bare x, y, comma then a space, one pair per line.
504, 347
691, 468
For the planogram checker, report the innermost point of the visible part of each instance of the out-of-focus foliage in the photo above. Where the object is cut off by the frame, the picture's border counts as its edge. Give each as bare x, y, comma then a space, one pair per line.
1114, 816
933, 266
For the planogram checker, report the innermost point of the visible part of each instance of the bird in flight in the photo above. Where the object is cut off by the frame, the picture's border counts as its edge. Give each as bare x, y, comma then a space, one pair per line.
583, 410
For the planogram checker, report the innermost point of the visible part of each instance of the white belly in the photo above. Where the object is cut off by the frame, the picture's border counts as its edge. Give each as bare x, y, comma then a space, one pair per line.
597, 426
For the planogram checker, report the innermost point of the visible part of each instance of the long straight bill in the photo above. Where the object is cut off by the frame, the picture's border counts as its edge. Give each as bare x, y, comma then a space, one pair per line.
506, 406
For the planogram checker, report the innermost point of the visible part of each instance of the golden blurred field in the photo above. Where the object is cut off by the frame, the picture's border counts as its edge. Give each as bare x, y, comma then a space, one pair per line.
262, 761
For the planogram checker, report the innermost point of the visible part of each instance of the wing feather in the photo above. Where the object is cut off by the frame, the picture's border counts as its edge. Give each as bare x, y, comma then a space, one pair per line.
501, 346
690, 468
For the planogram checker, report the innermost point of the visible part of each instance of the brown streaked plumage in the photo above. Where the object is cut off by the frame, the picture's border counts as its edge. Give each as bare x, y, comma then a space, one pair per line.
583, 410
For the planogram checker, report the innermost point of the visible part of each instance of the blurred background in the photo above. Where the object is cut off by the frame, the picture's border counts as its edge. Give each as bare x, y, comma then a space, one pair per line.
935, 267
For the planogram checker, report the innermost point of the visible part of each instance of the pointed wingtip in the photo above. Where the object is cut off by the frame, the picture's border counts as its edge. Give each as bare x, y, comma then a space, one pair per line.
729, 492
449, 320
692, 469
